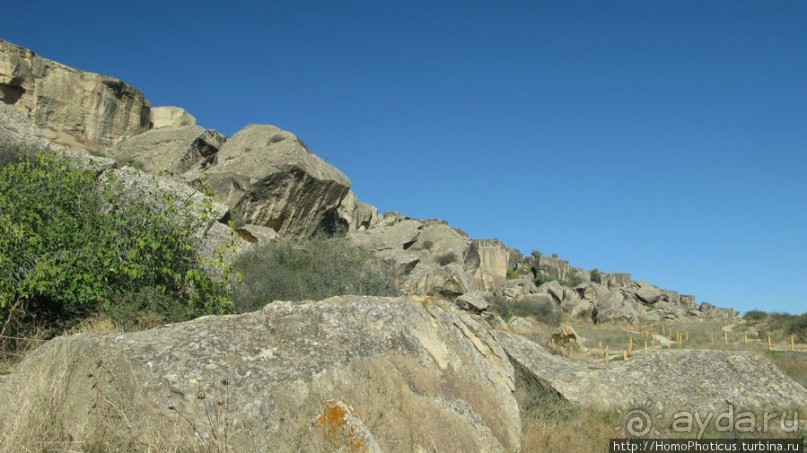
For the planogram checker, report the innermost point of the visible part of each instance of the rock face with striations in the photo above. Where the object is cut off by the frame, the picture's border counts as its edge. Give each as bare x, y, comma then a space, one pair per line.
415, 372
77, 109
269, 178
171, 150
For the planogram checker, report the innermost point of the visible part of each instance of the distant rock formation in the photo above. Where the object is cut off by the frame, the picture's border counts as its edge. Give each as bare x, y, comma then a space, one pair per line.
77, 109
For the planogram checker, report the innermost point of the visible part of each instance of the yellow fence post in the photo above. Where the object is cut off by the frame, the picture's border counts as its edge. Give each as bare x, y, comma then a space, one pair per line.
769, 342
726, 337
745, 339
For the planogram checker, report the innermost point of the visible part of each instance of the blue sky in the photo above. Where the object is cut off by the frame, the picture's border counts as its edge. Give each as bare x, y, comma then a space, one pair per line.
665, 139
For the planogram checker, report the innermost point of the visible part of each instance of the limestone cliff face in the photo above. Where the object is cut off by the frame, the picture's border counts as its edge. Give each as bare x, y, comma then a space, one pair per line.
77, 109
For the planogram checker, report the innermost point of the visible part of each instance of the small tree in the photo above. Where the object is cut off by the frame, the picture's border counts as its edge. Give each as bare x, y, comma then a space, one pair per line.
72, 245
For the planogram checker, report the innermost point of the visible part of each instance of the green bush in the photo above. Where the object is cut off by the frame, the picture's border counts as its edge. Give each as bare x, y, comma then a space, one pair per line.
71, 247
447, 258
544, 278
755, 315
572, 281
512, 274
313, 269
798, 327
596, 277
500, 305
546, 312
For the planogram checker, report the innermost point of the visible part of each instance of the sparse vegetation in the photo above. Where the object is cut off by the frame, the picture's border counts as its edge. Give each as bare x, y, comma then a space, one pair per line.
315, 269
755, 315
512, 274
67, 251
544, 278
546, 312
500, 305
447, 258
571, 281
596, 277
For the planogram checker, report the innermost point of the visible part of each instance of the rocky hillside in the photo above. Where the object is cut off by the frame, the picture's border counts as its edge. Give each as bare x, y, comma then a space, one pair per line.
267, 178
434, 368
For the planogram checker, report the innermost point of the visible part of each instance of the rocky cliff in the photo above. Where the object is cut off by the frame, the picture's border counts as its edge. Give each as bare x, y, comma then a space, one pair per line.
73, 108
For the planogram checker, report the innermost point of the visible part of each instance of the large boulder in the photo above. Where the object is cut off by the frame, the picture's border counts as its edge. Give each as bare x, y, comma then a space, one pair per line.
171, 150
77, 109
671, 380
414, 372
268, 177
647, 293
169, 116
615, 307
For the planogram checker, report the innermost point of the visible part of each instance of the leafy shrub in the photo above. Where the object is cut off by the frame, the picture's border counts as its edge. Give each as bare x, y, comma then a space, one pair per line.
512, 274
447, 258
798, 327
500, 305
543, 278
596, 277
573, 280
67, 250
315, 269
755, 315
546, 312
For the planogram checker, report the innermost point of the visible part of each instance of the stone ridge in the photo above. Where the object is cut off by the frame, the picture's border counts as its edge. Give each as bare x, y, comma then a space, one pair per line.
74, 108
268, 178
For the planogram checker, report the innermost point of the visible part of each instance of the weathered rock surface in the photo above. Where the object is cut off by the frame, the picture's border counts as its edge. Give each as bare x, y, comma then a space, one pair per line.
77, 109
170, 116
614, 307
698, 380
171, 150
269, 178
357, 215
488, 261
260, 379
472, 302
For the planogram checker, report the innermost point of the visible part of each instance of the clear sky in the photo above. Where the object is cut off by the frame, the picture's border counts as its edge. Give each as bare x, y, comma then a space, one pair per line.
667, 139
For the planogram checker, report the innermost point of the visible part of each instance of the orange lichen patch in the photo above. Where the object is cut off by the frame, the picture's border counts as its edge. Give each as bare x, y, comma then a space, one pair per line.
426, 300
339, 417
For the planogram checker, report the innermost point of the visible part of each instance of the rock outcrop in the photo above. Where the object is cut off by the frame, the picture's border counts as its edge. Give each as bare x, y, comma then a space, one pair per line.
80, 110
671, 380
260, 379
170, 116
268, 178
488, 261
17, 129
356, 215
171, 150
